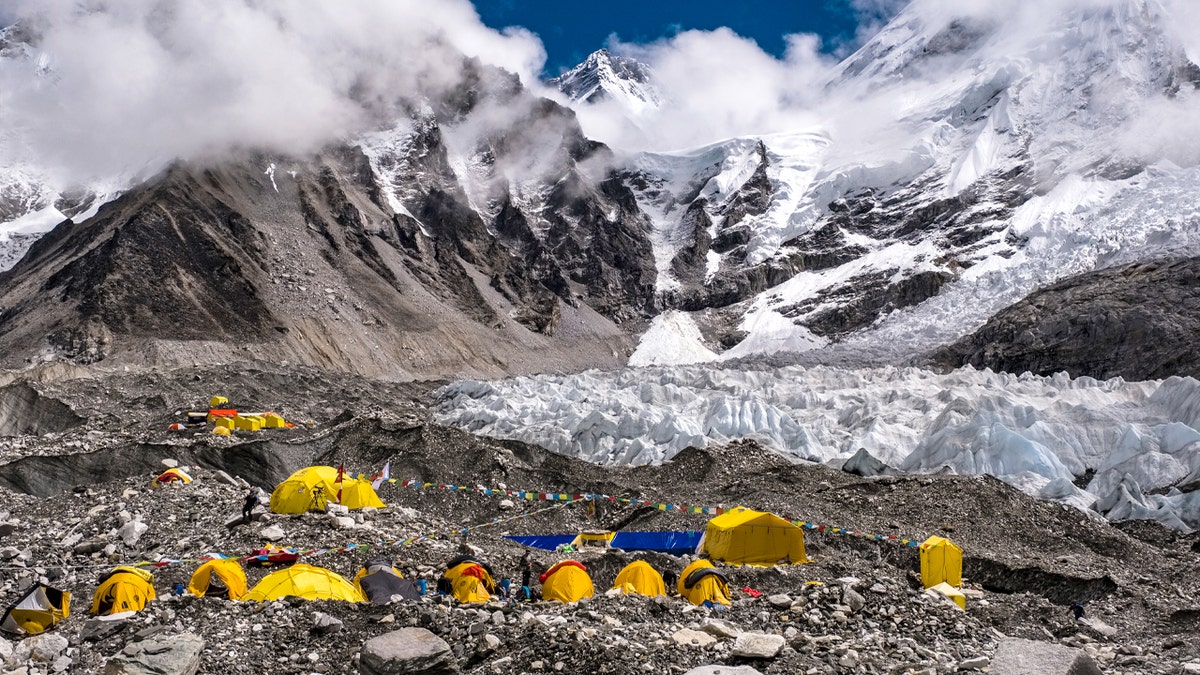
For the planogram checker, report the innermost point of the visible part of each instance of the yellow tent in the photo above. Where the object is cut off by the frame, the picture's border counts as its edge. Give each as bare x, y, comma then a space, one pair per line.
170, 476
312, 488
951, 592
38, 610
745, 537
702, 582
229, 573
567, 581
640, 578
124, 589
470, 581
304, 581
941, 560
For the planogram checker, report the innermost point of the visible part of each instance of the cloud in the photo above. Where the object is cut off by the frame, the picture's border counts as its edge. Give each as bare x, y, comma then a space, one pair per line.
132, 83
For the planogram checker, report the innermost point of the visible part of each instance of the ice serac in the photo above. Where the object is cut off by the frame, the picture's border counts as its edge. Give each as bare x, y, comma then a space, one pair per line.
1134, 446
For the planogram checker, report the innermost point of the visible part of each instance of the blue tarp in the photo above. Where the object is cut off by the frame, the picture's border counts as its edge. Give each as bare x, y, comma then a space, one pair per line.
674, 543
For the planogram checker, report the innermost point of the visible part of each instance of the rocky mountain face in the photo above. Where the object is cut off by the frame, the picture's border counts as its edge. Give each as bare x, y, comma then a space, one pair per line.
1133, 321
377, 258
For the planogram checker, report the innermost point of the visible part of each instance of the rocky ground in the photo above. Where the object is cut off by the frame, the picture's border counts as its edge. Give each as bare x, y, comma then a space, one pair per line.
857, 607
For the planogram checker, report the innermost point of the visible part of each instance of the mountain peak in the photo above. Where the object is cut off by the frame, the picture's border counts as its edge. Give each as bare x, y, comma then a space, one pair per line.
606, 76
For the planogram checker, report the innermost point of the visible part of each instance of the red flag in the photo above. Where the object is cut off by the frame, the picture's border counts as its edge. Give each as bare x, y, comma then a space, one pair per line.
341, 473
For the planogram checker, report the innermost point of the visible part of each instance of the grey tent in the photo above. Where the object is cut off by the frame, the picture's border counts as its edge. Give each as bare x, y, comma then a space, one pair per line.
380, 581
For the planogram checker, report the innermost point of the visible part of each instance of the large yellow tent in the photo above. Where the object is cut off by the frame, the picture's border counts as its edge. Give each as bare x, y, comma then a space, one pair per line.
567, 581
38, 610
746, 537
229, 574
638, 577
702, 582
941, 561
304, 581
312, 488
124, 589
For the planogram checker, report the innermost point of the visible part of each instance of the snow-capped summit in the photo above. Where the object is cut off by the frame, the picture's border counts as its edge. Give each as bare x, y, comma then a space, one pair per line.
607, 77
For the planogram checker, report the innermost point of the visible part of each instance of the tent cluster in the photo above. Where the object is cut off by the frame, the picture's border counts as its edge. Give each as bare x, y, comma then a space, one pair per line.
226, 419
313, 488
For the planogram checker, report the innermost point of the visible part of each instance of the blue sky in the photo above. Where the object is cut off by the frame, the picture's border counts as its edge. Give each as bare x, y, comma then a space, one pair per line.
572, 30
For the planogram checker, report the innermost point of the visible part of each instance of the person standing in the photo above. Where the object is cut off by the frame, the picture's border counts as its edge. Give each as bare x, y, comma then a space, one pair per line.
248, 504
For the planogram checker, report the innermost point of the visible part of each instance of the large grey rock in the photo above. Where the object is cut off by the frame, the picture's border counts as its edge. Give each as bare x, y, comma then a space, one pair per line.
1015, 656
722, 670
720, 628
45, 647
411, 651
758, 645
158, 655
132, 531
863, 463
272, 533
324, 624
689, 637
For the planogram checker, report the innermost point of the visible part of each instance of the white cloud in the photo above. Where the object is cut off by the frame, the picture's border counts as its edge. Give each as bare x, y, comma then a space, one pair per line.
137, 82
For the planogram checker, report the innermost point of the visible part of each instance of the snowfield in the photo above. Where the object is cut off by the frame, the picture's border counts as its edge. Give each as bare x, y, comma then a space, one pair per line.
1121, 448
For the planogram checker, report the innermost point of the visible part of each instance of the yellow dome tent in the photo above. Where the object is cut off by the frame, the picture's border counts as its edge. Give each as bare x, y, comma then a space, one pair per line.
567, 581
37, 611
941, 560
702, 582
231, 579
124, 589
470, 583
170, 476
746, 537
304, 581
640, 578
312, 488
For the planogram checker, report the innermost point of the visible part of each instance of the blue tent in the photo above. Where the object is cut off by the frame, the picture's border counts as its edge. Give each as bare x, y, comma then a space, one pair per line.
673, 543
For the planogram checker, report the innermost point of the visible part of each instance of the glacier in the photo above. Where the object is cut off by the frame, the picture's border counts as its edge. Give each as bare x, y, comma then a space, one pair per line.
1123, 449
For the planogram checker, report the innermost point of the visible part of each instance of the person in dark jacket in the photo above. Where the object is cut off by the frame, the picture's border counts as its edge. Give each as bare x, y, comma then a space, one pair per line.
248, 505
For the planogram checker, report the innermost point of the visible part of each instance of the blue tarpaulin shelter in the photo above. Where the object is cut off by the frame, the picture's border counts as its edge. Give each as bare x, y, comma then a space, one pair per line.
673, 543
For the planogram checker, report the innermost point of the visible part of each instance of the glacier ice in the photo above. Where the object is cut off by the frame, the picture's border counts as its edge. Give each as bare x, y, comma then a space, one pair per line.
1040, 434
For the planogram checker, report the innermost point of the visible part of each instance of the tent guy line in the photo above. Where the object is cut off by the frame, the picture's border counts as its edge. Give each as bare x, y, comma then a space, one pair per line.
661, 506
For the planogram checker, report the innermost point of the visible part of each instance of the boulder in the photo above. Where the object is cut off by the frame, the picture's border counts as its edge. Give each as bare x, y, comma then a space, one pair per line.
977, 663
720, 628
226, 478
170, 463
414, 651
722, 670
852, 599
272, 533
158, 655
865, 464
781, 600
687, 636
758, 645
343, 522
45, 647
1016, 656
132, 531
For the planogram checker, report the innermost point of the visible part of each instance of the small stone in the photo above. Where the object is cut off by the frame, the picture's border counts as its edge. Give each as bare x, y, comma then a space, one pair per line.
977, 663
489, 643
853, 599
324, 624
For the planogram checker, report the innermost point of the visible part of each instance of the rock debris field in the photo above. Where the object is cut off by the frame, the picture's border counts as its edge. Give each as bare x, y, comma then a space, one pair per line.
858, 606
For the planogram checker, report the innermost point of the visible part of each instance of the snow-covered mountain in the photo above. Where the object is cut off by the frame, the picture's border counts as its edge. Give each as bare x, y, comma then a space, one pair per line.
963, 161
604, 76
